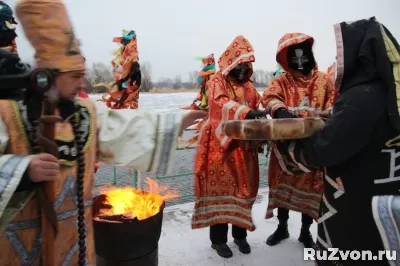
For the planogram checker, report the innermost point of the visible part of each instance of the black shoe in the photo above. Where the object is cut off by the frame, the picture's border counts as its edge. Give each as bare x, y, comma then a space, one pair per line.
280, 234
223, 250
244, 247
306, 238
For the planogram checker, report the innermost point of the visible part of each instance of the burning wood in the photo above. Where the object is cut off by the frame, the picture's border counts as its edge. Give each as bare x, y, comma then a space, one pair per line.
127, 224
131, 203
116, 218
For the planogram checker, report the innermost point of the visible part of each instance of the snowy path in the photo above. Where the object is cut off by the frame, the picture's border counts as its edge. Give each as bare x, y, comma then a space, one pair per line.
182, 246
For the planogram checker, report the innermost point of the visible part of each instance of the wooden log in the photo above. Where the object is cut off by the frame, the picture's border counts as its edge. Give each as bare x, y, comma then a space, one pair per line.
272, 129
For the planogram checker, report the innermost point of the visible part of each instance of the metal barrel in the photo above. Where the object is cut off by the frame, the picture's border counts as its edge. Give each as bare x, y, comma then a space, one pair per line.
126, 242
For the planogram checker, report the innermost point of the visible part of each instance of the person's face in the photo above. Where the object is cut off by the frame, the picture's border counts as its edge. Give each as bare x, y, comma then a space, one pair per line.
300, 58
240, 72
69, 84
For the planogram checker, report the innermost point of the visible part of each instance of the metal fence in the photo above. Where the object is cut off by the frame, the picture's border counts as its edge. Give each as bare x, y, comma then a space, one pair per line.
136, 176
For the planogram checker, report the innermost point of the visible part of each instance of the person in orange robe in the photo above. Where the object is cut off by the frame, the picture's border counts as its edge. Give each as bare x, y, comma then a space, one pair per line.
124, 92
302, 91
206, 73
85, 131
226, 171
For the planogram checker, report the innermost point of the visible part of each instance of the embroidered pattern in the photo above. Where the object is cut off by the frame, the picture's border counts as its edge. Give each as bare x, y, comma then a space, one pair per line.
66, 146
11, 231
386, 212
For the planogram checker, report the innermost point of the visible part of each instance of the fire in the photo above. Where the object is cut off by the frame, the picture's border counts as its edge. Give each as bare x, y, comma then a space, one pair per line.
137, 203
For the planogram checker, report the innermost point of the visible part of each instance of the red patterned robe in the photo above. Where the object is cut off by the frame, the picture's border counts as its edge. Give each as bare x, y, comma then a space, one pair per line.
226, 180
302, 96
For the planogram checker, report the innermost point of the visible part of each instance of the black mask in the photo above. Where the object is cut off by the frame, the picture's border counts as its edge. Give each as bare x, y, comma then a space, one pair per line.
300, 58
240, 72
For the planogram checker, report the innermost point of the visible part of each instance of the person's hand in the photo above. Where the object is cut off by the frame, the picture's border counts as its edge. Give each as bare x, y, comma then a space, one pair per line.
323, 114
233, 145
283, 113
190, 119
43, 167
253, 114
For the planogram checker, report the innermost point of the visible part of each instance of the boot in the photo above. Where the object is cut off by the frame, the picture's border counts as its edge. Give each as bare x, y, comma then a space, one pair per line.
280, 234
306, 237
244, 247
223, 250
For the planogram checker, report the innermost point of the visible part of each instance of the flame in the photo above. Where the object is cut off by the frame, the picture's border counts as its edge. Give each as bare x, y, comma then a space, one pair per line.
137, 203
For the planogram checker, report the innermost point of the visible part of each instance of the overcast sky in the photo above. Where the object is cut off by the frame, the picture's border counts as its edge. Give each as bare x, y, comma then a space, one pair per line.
172, 32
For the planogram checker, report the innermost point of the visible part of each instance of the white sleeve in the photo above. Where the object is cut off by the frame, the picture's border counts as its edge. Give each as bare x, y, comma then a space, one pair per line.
137, 139
12, 169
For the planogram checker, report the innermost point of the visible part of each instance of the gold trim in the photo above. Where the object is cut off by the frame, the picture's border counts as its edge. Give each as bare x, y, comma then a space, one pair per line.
66, 139
19, 123
67, 163
394, 58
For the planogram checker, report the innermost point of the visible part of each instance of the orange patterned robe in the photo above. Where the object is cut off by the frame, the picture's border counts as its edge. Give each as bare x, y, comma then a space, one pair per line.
21, 242
122, 66
226, 180
302, 96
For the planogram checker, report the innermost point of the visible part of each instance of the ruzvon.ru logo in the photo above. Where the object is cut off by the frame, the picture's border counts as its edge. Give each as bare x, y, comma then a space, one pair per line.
336, 254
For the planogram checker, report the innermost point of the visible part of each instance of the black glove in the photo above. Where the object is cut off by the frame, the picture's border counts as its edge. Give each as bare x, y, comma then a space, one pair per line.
253, 114
136, 74
283, 113
234, 144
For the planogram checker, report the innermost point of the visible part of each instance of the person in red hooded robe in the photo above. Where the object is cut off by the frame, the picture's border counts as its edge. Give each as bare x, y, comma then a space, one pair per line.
302, 91
359, 148
226, 170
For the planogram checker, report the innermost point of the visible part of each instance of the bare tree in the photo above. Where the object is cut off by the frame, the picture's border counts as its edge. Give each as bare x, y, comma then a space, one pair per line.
146, 71
261, 77
269, 76
100, 72
165, 83
177, 83
193, 78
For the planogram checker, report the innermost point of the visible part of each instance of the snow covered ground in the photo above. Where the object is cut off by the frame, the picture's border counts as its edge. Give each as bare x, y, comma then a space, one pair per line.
181, 246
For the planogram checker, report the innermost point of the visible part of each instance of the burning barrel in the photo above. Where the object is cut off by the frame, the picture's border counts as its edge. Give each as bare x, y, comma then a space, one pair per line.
127, 226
